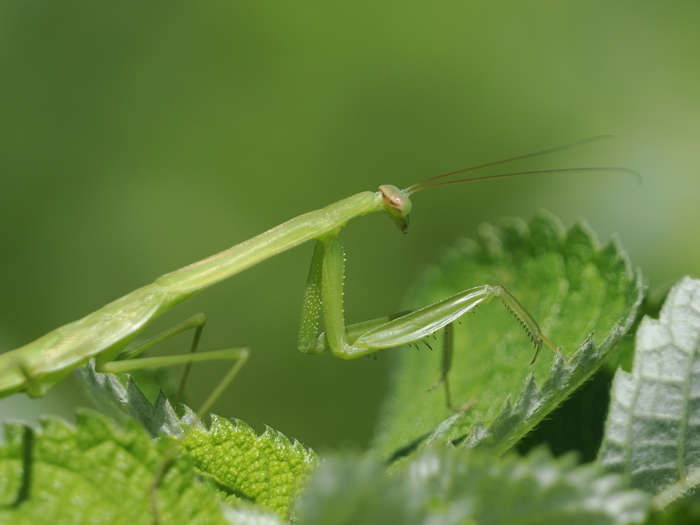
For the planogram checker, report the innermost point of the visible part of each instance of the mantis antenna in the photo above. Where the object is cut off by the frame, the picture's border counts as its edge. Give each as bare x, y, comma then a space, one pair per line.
423, 185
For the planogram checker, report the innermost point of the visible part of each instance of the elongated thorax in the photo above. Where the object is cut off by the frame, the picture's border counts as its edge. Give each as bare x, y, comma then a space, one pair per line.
312, 225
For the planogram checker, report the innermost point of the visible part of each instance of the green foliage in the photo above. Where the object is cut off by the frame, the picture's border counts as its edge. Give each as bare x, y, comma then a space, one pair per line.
268, 470
95, 473
84, 474
125, 402
585, 299
452, 468
444, 487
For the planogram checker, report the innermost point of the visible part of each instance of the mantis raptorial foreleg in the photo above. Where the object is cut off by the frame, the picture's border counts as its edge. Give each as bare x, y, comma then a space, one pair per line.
324, 294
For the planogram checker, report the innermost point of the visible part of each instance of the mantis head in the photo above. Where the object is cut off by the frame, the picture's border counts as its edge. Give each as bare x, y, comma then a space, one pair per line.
397, 205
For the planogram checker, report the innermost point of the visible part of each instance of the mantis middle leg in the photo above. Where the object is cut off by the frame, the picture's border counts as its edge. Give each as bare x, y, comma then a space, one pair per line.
126, 363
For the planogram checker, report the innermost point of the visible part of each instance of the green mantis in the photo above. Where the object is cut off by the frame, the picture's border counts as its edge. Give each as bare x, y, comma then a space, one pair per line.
108, 333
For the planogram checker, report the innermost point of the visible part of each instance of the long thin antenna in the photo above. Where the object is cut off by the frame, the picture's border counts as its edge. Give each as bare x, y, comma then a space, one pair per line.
501, 175
420, 185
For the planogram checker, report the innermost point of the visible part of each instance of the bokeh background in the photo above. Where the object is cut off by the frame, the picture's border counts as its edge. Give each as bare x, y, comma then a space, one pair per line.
138, 137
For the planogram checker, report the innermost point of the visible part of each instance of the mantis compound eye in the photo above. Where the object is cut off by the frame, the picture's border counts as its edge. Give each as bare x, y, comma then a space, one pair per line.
397, 205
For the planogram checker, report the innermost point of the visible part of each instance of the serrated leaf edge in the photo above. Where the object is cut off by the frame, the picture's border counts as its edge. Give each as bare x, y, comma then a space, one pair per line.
527, 409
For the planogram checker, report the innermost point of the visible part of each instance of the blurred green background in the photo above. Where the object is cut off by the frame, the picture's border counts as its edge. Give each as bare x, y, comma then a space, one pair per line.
138, 137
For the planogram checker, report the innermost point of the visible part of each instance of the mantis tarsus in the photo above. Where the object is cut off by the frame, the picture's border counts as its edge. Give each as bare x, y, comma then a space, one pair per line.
106, 334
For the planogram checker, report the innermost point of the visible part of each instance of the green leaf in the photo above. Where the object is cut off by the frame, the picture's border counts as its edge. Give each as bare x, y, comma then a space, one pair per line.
584, 297
451, 487
95, 473
268, 470
128, 402
652, 434
351, 490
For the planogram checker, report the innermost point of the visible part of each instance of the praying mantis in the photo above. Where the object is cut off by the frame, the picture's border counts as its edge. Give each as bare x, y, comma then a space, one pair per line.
108, 334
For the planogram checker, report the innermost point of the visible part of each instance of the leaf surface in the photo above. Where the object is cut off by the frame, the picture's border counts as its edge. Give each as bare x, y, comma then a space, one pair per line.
267, 470
95, 473
584, 297
652, 433
453, 487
